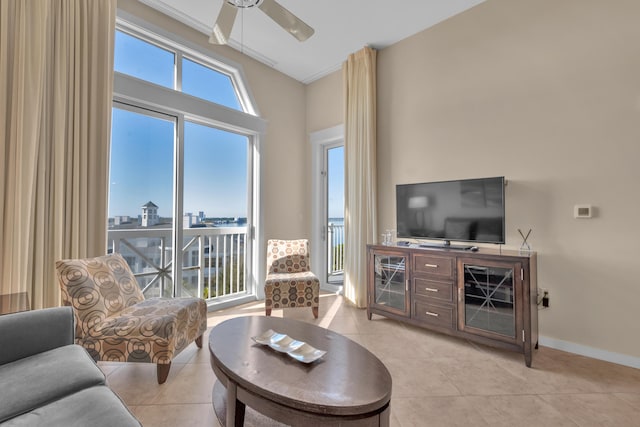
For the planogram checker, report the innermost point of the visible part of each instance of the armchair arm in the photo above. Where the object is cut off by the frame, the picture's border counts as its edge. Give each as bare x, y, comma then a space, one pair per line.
31, 332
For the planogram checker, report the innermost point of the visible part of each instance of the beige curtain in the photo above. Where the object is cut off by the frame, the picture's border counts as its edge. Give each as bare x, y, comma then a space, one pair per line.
56, 81
359, 76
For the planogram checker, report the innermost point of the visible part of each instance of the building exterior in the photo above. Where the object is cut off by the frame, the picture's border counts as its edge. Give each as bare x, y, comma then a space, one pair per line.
190, 220
150, 214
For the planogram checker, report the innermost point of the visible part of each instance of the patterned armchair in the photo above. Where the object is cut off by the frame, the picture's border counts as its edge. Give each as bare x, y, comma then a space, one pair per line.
114, 321
290, 282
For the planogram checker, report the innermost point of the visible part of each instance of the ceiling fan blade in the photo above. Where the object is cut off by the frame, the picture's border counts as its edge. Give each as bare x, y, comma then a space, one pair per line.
224, 24
287, 20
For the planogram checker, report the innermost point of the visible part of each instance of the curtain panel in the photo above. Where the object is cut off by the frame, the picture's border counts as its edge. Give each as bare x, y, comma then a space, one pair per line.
359, 79
56, 83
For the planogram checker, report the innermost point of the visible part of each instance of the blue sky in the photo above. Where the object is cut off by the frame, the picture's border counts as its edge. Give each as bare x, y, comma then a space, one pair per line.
215, 161
215, 177
141, 163
335, 182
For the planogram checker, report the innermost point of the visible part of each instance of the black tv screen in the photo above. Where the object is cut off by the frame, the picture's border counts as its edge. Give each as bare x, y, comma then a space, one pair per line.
469, 210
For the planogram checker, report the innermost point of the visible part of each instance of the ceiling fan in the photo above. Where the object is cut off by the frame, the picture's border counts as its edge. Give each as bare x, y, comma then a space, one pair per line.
287, 20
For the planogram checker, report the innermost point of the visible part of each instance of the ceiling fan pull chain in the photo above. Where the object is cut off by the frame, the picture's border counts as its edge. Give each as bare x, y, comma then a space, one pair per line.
242, 31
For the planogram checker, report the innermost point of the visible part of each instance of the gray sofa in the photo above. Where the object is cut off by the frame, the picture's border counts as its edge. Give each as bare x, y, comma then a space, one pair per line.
47, 380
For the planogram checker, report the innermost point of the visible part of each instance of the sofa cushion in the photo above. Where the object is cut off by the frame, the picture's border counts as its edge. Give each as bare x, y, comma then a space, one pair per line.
95, 406
45, 377
31, 332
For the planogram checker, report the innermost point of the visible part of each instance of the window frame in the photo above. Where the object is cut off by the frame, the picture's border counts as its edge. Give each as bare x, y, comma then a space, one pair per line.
138, 93
182, 48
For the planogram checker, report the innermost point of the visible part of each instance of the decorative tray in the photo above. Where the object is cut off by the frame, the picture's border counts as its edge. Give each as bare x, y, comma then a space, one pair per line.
299, 350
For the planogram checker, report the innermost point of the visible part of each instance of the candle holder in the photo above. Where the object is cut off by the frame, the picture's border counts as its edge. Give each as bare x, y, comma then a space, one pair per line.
525, 247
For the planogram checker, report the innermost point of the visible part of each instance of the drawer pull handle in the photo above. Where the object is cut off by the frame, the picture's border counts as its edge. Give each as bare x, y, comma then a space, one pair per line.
431, 265
430, 313
431, 289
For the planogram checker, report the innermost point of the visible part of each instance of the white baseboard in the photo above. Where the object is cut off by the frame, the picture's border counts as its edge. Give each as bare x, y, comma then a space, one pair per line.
595, 353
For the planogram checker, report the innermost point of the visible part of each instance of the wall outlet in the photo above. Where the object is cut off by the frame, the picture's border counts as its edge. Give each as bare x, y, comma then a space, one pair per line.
545, 297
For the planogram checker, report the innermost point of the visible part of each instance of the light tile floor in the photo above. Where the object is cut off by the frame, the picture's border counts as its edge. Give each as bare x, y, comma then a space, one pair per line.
437, 380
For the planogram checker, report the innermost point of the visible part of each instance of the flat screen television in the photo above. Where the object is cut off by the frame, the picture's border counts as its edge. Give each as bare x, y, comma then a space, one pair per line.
467, 210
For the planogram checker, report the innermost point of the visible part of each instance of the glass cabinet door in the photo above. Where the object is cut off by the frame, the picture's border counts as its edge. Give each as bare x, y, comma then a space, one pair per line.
390, 282
487, 294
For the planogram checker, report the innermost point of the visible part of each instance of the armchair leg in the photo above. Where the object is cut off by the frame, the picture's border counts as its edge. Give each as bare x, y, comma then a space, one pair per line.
163, 372
199, 341
315, 311
267, 311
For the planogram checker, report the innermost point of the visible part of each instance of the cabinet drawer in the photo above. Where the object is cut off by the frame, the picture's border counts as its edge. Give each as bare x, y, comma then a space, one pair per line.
434, 314
433, 265
435, 289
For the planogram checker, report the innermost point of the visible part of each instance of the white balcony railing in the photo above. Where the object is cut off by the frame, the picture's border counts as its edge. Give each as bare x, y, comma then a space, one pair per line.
335, 248
213, 260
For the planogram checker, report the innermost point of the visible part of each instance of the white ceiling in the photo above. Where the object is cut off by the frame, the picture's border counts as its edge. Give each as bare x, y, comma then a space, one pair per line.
341, 28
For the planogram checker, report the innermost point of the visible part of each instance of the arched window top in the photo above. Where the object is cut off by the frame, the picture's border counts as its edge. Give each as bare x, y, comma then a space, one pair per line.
207, 83
147, 56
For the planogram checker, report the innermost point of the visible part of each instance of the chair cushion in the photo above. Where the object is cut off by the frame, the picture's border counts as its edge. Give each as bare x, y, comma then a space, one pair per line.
45, 377
97, 288
287, 256
95, 406
154, 330
292, 290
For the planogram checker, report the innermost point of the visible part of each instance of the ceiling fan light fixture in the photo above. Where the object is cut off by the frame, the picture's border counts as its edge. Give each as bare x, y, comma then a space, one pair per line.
281, 16
243, 4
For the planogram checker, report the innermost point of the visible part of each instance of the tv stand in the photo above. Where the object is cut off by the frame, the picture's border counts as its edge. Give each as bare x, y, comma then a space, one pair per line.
485, 296
445, 245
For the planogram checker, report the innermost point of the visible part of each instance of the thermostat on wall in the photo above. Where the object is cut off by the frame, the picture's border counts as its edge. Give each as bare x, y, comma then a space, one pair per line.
582, 211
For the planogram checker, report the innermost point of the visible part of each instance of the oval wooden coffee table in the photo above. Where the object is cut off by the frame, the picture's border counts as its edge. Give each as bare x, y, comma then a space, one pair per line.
348, 385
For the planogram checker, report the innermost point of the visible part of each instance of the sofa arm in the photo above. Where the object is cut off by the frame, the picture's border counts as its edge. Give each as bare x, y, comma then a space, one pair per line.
31, 332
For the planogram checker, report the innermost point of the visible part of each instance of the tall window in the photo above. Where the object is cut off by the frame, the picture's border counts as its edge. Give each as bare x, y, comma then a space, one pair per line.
181, 196
144, 60
141, 194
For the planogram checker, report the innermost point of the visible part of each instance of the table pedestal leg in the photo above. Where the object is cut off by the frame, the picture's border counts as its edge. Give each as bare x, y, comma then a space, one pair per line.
235, 408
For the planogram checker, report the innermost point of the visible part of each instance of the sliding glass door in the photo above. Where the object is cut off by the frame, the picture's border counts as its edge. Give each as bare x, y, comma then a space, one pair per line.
217, 210
141, 195
197, 193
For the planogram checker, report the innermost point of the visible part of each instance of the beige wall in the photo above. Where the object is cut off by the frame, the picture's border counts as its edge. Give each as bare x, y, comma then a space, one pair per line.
546, 93
325, 106
281, 101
